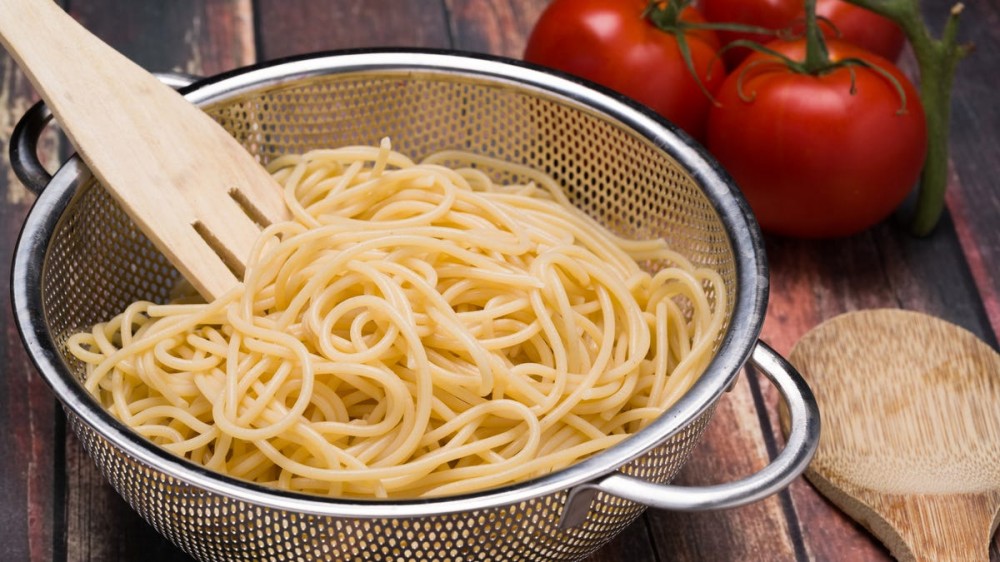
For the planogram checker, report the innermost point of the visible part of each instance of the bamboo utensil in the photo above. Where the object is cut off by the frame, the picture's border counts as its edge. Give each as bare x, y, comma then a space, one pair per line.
911, 439
188, 185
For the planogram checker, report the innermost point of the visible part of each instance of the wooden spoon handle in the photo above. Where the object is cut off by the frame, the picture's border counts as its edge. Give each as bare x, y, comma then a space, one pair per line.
939, 527
169, 165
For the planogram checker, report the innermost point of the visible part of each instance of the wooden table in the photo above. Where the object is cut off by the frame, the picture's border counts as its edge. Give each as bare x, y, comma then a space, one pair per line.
55, 506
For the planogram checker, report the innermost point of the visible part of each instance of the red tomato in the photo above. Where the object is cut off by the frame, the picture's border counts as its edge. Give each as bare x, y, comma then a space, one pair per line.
813, 159
865, 29
769, 14
610, 43
853, 24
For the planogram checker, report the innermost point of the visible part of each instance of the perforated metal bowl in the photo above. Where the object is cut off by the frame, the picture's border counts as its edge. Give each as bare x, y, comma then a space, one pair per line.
80, 260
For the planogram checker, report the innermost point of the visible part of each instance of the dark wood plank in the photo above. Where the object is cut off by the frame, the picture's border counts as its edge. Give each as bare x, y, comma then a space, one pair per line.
194, 36
293, 27
972, 196
498, 27
810, 282
633, 544
733, 447
99, 524
28, 471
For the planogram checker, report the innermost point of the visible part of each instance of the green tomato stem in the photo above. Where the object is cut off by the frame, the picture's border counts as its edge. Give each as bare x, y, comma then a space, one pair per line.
817, 56
937, 60
665, 16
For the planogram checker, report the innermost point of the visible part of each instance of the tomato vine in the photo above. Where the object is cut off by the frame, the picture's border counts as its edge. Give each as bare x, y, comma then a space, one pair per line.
937, 60
817, 58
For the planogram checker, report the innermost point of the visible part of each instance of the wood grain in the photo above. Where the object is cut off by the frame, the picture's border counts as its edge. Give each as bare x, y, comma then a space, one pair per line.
972, 195
498, 27
732, 447
812, 281
951, 274
911, 442
294, 27
183, 179
633, 544
201, 37
31, 453
804, 278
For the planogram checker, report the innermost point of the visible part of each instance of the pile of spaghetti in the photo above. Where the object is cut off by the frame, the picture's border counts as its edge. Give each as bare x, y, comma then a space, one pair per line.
415, 330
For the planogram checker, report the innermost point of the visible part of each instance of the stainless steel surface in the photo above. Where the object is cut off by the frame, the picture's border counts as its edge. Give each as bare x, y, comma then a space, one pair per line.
80, 260
800, 446
23, 147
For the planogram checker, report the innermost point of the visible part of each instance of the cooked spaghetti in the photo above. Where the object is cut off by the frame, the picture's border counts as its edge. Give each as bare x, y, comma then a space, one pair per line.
415, 330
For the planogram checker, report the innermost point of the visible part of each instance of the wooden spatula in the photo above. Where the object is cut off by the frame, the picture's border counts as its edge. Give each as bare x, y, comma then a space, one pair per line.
186, 183
911, 430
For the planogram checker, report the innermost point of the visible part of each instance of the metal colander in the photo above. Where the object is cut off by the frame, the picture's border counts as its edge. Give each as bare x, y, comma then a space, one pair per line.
80, 260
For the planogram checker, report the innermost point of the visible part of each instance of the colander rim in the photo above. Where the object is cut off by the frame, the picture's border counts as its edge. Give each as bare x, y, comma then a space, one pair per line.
736, 217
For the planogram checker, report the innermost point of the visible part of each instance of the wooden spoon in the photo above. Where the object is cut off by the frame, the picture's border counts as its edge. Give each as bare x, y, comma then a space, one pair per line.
190, 187
911, 430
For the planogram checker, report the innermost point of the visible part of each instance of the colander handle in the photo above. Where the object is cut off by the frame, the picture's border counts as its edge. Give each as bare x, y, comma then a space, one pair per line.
803, 438
24, 138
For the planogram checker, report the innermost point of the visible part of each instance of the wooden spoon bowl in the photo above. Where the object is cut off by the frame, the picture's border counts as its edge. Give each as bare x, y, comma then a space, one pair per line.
911, 440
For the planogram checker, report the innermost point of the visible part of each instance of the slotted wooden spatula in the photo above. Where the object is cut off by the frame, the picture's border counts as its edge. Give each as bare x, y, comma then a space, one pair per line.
185, 182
